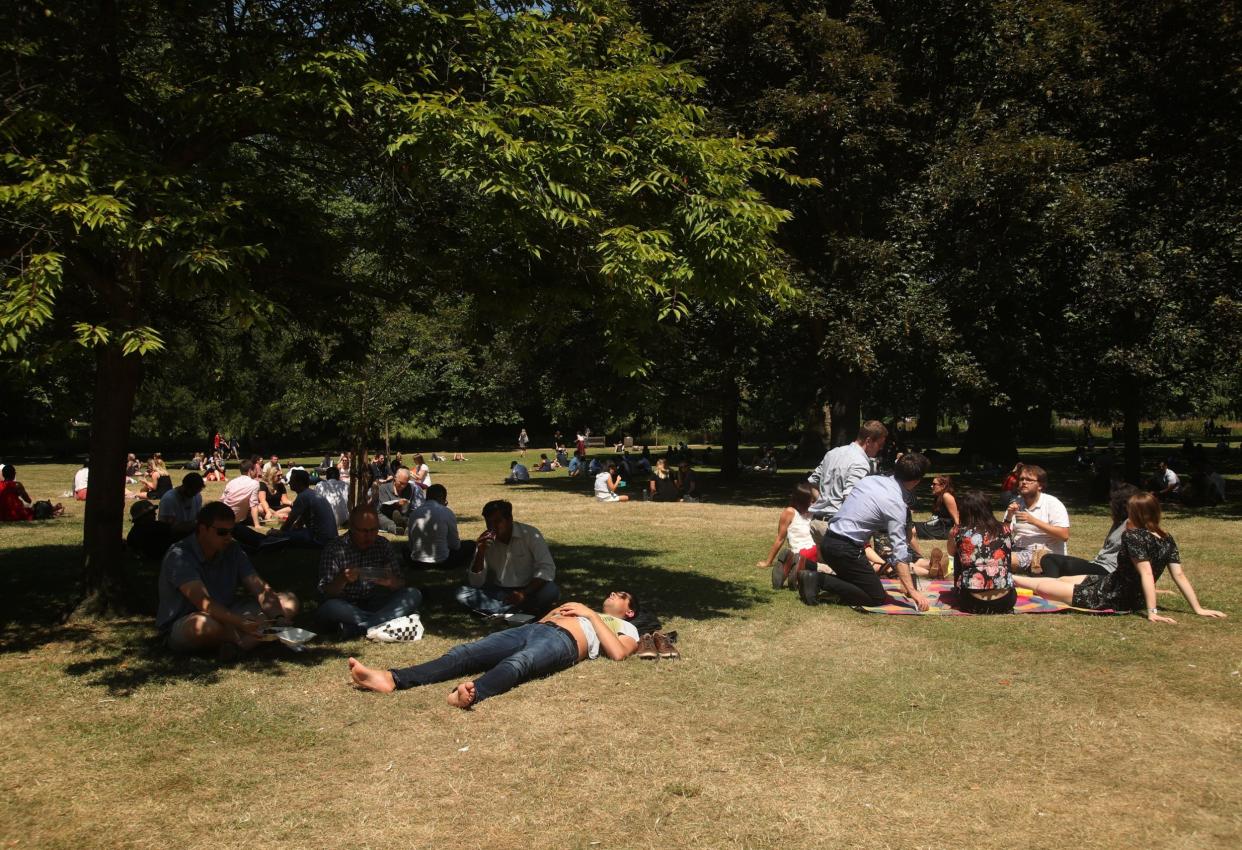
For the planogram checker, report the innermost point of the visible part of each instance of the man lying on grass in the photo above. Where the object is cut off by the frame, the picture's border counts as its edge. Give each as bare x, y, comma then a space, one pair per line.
569, 634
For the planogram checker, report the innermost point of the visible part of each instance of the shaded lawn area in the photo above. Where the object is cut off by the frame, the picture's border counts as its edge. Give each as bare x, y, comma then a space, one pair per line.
782, 725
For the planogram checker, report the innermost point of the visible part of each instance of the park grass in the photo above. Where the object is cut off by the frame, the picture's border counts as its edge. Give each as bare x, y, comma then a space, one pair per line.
782, 726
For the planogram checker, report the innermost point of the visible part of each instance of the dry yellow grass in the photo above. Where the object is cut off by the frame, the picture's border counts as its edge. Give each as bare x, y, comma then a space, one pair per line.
782, 727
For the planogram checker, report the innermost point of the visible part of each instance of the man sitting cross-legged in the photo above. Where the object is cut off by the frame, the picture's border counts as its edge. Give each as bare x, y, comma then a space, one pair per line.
198, 580
512, 570
571, 633
1039, 521
434, 541
364, 592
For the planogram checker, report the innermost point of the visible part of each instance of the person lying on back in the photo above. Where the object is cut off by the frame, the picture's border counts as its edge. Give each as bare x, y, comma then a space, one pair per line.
566, 636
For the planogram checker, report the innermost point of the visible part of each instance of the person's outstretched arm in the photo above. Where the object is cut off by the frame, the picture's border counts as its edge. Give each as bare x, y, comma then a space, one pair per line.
782, 530
1188, 591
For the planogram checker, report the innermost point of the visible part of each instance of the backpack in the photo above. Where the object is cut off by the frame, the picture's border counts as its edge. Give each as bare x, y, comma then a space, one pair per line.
42, 509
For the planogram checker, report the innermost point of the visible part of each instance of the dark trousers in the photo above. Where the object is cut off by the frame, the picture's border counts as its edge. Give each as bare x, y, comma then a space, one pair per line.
973, 604
856, 581
1055, 566
509, 657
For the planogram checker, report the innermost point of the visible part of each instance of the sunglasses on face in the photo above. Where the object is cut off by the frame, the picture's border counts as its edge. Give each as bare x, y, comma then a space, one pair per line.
223, 532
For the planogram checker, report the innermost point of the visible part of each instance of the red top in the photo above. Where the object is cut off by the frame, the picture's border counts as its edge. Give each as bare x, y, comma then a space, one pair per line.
12, 508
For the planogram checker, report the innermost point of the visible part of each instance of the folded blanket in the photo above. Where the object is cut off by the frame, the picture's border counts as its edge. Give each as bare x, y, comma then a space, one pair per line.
940, 592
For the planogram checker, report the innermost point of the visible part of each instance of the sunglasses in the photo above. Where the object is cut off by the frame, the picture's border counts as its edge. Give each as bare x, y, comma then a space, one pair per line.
223, 532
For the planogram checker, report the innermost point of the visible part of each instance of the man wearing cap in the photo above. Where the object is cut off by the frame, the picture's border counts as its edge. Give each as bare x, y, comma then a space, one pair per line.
179, 507
198, 609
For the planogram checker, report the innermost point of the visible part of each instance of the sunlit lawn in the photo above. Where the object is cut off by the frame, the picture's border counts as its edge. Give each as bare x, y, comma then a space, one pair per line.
783, 726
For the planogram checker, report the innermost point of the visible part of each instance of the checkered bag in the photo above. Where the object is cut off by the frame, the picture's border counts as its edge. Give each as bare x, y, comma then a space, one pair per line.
401, 629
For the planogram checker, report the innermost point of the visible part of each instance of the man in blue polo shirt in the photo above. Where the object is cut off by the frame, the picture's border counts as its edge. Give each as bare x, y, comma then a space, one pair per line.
876, 505
198, 583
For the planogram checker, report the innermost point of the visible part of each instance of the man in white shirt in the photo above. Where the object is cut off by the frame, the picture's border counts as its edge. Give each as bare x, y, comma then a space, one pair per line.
336, 493
840, 470
518, 473
179, 507
570, 634
1168, 483
1040, 522
512, 570
432, 532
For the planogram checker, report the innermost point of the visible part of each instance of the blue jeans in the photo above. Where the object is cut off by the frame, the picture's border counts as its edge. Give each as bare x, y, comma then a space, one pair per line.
380, 606
490, 599
509, 658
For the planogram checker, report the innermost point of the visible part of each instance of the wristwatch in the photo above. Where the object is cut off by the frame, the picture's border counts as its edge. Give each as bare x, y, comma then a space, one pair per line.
1151, 611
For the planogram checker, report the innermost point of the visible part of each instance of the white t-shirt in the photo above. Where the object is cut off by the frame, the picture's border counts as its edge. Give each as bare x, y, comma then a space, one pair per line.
1049, 509
426, 471
432, 533
79, 479
619, 627
601, 488
1171, 479
336, 493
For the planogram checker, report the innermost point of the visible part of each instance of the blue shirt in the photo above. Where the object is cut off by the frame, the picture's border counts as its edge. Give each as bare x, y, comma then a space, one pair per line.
184, 562
836, 475
876, 505
316, 515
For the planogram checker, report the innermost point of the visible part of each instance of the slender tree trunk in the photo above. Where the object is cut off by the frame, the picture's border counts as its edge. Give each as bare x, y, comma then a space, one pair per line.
846, 410
106, 591
730, 435
387, 444
1133, 468
929, 411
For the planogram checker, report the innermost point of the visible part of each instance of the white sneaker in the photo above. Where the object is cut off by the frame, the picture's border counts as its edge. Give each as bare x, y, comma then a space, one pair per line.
406, 628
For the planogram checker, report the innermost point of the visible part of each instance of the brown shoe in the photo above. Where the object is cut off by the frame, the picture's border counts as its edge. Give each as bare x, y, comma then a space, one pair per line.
665, 647
647, 648
936, 564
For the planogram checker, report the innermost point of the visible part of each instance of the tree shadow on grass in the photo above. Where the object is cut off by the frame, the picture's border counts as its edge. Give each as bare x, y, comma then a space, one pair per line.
589, 573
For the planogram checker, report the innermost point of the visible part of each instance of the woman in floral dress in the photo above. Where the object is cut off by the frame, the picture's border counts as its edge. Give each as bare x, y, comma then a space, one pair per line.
1146, 551
982, 546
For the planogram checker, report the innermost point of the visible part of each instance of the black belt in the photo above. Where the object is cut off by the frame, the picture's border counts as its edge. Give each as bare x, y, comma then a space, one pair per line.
844, 539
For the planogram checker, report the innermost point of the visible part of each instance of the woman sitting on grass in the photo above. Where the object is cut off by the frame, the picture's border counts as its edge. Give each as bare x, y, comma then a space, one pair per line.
607, 483
274, 501
793, 530
983, 546
1146, 550
661, 487
944, 511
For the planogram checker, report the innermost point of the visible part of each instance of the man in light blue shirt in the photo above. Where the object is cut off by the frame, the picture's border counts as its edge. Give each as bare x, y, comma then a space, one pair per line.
876, 505
840, 470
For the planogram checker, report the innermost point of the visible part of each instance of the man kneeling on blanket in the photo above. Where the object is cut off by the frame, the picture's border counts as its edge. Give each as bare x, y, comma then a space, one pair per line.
569, 634
877, 504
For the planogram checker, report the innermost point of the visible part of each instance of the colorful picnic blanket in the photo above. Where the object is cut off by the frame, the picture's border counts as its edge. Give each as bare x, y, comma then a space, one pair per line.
940, 593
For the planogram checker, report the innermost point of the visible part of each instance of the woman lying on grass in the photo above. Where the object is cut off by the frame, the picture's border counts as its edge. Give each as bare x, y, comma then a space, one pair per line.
1146, 550
571, 633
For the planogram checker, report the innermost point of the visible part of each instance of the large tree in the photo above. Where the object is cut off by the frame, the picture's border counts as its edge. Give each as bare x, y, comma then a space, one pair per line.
156, 152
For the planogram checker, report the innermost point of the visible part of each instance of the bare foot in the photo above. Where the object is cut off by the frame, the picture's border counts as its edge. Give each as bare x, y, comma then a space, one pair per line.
462, 696
370, 680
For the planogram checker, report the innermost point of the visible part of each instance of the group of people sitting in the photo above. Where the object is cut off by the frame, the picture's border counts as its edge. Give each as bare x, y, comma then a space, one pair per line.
846, 528
509, 570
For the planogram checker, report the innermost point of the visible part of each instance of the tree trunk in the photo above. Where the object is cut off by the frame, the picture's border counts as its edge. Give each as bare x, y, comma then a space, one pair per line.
387, 444
846, 408
730, 435
990, 435
106, 590
1133, 468
929, 411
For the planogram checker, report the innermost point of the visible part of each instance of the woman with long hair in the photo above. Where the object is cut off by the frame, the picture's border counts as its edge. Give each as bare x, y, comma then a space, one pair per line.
793, 530
944, 511
982, 545
661, 487
1147, 550
274, 500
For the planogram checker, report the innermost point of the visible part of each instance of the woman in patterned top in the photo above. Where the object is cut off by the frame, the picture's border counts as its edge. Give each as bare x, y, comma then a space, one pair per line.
982, 546
1146, 550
